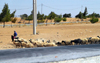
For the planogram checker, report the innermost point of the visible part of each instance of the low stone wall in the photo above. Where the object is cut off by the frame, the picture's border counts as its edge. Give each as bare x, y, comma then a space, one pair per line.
95, 59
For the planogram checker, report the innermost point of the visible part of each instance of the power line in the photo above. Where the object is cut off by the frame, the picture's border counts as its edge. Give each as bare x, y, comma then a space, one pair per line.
50, 8
93, 8
41, 8
23, 8
61, 9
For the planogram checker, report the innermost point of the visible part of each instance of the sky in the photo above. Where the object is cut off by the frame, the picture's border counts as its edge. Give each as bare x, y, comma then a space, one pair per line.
57, 6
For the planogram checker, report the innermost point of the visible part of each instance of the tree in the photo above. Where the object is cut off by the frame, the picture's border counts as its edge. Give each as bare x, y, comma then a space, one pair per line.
51, 16
5, 14
38, 15
13, 20
23, 16
57, 19
94, 20
0, 18
30, 17
80, 15
67, 15
59, 16
13, 14
93, 14
64, 19
85, 12
46, 18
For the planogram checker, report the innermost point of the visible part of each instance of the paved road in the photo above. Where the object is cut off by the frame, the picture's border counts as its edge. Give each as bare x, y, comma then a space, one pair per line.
48, 54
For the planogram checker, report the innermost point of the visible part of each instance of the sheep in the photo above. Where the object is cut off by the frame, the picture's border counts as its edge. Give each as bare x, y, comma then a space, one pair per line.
49, 44
77, 41
29, 45
93, 40
84, 41
36, 43
33, 42
54, 41
58, 43
68, 42
16, 40
20, 40
73, 43
23, 44
39, 44
96, 39
18, 44
98, 36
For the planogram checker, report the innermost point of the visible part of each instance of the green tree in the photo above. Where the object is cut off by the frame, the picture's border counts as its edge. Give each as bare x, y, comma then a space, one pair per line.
80, 15
5, 15
93, 14
46, 18
0, 17
64, 19
41, 17
38, 15
13, 14
57, 19
85, 12
67, 15
59, 16
23, 16
30, 17
94, 20
13, 20
51, 16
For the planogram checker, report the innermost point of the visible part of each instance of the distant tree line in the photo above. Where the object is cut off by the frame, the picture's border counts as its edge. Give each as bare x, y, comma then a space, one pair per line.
58, 18
6, 16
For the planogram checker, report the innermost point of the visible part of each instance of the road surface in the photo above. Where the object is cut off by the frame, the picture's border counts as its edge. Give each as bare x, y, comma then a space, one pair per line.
48, 54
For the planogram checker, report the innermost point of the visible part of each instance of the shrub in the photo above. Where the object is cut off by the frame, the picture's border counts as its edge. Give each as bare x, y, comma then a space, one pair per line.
57, 19
64, 19
13, 20
94, 20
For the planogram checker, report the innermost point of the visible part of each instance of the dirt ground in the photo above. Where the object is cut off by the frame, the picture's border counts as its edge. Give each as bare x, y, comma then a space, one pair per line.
52, 32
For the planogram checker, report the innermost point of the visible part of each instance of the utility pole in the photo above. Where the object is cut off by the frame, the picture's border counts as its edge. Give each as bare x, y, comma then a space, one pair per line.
36, 12
41, 8
81, 13
34, 16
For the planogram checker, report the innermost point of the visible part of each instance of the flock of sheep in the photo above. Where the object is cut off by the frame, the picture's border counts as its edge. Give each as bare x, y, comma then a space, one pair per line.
33, 43
23, 43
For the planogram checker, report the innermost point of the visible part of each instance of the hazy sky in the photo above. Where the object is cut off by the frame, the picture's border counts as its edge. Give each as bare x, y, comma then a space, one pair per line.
57, 6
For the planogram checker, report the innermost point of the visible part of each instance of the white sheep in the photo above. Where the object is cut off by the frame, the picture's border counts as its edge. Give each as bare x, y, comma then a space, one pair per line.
49, 44
29, 45
84, 41
23, 44
39, 44
18, 44
93, 40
